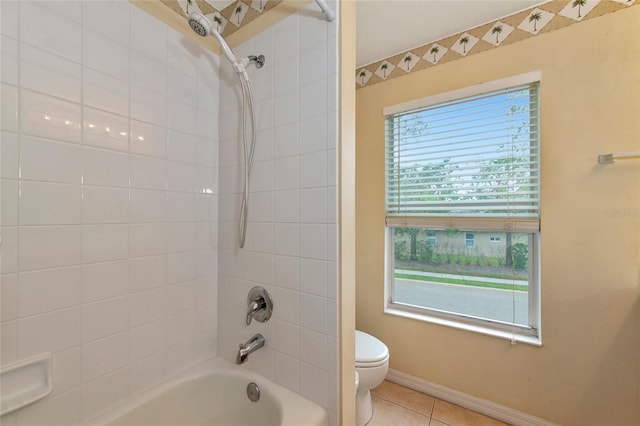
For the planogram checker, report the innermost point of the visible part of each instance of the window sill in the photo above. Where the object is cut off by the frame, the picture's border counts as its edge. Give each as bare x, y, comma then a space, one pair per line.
397, 310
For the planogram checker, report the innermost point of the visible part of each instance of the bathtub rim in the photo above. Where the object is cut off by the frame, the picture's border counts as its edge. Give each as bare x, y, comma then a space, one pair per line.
306, 409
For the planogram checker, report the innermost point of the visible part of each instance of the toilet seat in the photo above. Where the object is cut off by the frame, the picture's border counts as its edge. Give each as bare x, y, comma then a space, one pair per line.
370, 352
371, 364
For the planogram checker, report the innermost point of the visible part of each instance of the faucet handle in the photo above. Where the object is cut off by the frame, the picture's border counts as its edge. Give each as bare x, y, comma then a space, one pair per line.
254, 307
260, 305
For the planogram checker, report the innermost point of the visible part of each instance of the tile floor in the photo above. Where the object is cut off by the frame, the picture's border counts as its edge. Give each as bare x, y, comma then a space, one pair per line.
395, 405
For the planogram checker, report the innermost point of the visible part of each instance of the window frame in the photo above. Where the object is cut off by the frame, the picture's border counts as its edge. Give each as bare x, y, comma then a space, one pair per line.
489, 327
432, 239
496, 328
468, 240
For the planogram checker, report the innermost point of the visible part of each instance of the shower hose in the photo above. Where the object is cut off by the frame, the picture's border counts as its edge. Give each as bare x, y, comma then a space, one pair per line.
248, 146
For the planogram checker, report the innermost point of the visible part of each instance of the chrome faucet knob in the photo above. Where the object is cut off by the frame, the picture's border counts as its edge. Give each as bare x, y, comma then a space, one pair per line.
259, 304
254, 307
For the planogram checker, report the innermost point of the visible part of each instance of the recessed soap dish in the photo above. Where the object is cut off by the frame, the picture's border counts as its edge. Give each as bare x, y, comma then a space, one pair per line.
24, 382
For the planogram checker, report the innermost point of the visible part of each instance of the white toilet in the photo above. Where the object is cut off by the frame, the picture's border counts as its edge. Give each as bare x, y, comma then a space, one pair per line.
372, 364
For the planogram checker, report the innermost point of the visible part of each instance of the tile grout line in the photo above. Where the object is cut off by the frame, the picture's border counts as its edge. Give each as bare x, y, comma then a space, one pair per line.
414, 392
403, 406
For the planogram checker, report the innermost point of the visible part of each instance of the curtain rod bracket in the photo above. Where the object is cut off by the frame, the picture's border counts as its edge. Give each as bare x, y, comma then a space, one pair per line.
611, 158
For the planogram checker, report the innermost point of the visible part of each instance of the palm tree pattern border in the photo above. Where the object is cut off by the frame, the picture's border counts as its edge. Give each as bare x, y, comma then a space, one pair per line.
531, 15
231, 13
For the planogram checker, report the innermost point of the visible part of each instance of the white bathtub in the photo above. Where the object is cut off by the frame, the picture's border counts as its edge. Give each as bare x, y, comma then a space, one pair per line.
214, 393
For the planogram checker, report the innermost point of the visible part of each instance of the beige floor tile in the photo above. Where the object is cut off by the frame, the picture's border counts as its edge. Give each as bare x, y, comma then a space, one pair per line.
405, 397
388, 414
454, 415
435, 422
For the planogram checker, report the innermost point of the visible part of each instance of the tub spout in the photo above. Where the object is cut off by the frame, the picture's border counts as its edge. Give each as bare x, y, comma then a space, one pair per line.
252, 345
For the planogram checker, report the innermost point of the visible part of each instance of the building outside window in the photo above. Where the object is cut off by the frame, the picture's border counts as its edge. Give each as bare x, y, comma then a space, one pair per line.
462, 169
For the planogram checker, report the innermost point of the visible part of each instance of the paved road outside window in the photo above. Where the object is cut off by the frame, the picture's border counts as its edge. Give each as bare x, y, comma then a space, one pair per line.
475, 301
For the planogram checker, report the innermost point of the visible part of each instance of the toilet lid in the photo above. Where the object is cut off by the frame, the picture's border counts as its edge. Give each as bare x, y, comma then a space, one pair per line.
369, 350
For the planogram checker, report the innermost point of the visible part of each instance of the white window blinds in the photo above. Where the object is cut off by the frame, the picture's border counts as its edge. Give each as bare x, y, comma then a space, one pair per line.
474, 158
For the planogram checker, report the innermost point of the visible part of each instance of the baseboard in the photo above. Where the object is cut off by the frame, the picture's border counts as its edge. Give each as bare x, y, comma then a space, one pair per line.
482, 406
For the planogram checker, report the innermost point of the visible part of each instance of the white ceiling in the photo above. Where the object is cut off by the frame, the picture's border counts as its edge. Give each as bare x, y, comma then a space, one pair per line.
389, 27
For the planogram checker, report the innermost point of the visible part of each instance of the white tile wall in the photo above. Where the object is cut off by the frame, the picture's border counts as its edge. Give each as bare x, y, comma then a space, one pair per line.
111, 220
109, 242
49, 117
292, 209
48, 30
49, 290
46, 73
49, 160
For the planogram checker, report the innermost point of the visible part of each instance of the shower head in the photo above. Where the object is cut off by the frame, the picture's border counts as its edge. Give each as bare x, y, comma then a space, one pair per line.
199, 24
202, 26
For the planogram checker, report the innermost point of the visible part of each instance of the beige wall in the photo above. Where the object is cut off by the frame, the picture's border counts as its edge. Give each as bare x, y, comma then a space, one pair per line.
347, 211
586, 372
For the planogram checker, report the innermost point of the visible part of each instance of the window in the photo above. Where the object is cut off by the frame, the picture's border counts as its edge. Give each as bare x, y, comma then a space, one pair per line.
462, 168
468, 240
431, 238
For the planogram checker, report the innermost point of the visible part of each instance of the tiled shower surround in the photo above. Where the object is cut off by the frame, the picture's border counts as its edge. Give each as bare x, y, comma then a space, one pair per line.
291, 246
119, 193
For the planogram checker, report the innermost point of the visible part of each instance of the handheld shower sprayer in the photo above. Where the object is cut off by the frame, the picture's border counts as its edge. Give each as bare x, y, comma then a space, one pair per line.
202, 26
